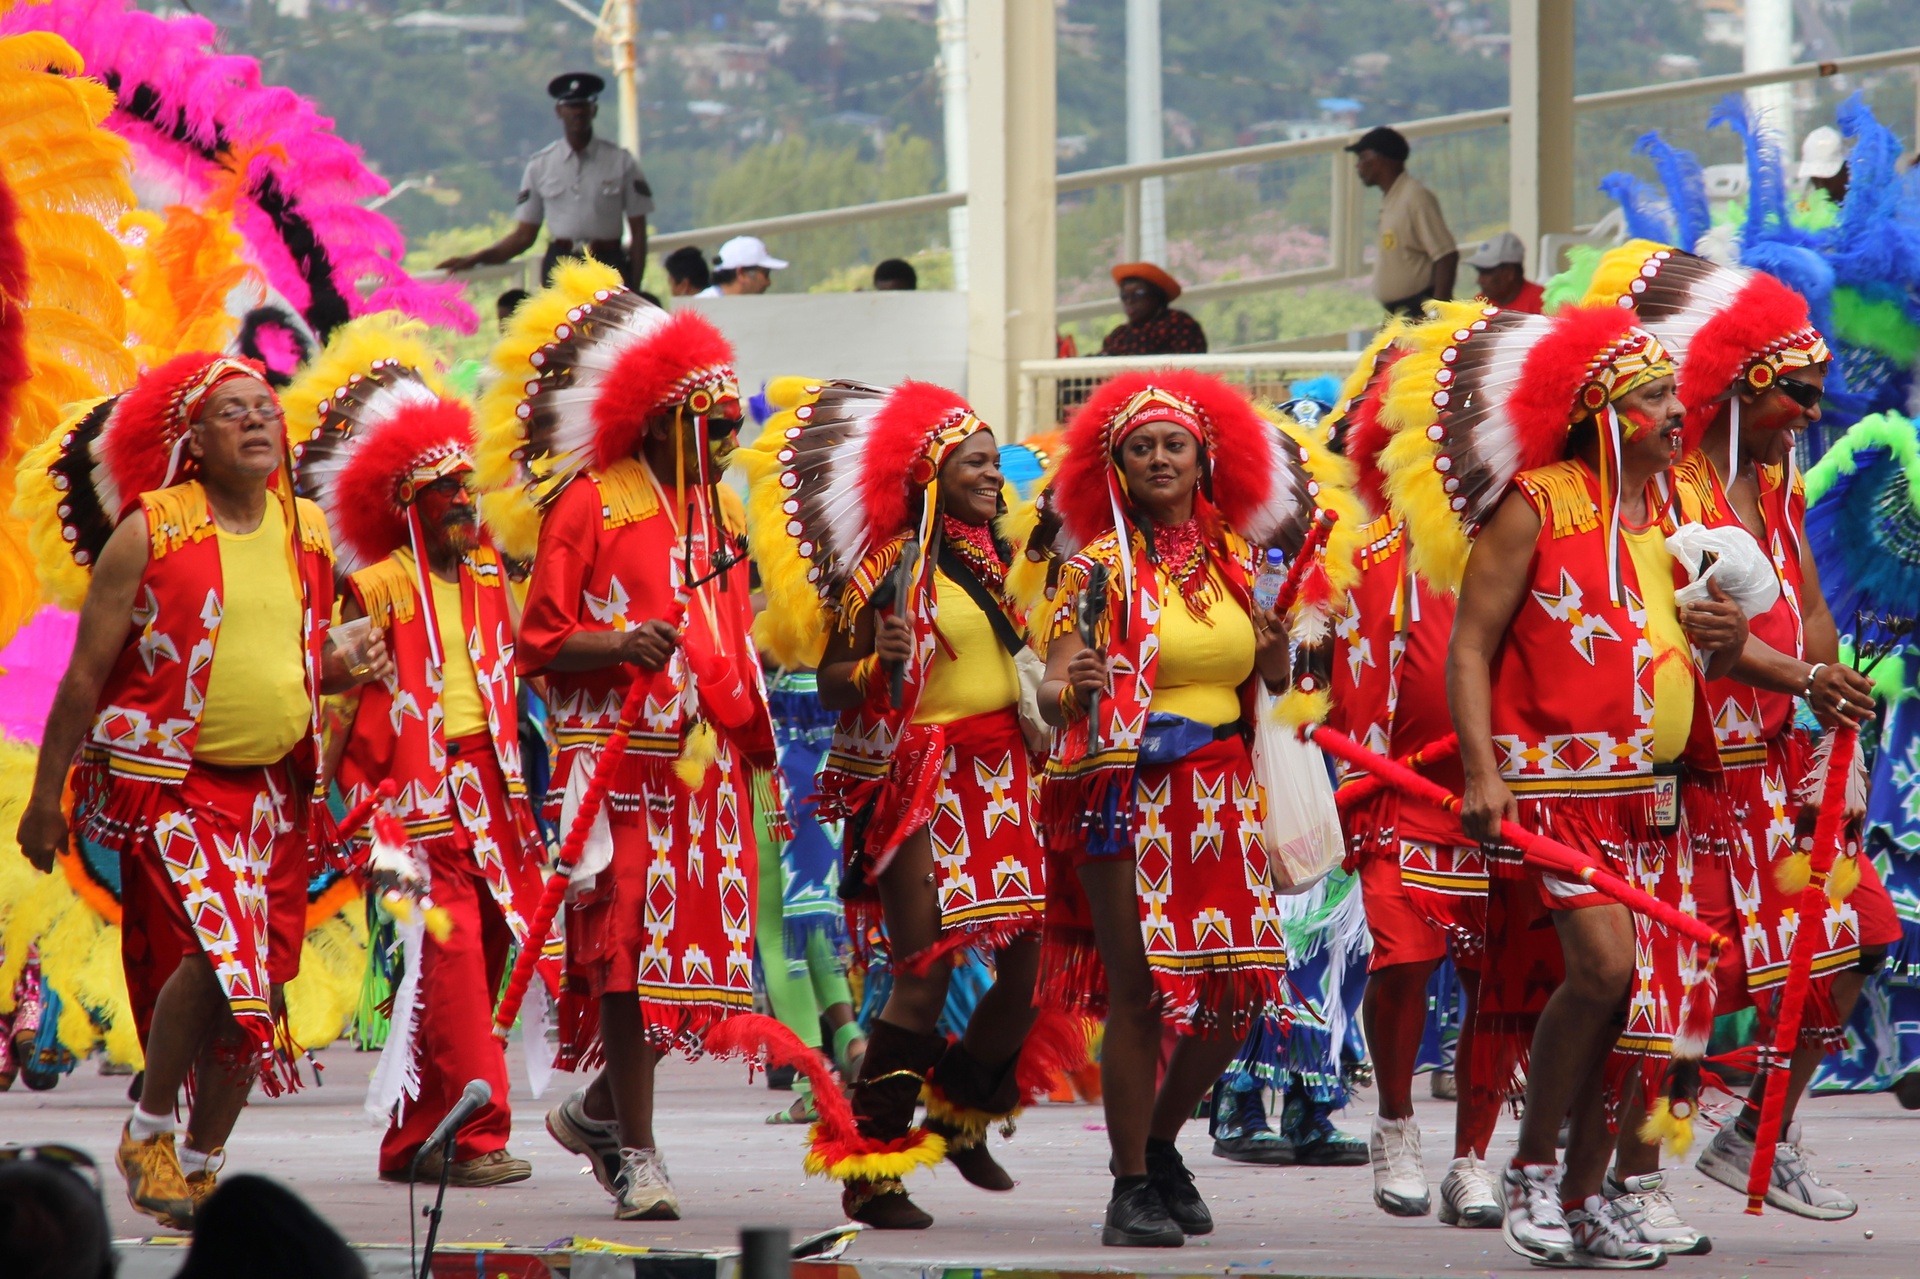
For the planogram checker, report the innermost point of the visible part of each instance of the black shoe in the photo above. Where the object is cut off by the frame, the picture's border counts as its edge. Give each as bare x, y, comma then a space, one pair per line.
1136, 1218
1167, 1174
1907, 1091
780, 1078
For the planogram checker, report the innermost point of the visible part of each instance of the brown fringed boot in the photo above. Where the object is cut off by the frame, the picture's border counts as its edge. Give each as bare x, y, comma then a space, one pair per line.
965, 1098
884, 1099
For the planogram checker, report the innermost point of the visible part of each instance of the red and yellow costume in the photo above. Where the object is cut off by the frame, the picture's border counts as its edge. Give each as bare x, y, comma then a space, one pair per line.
1176, 625
202, 769
370, 432
1424, 886
1731, 327
1482, 402
584, 369
845, 484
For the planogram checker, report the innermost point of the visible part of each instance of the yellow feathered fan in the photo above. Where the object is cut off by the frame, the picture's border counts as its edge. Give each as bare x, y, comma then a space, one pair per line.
62, 316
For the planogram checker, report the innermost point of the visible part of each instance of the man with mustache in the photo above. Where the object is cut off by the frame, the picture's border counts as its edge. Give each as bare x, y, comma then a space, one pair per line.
1575, 682
191, 706
388, 461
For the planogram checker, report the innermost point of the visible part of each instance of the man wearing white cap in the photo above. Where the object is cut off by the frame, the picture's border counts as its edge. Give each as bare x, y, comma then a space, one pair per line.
1823, 162
743, 267
1502, 265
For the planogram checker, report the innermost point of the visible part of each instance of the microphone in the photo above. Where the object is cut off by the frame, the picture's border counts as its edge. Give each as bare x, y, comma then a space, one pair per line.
479, 1092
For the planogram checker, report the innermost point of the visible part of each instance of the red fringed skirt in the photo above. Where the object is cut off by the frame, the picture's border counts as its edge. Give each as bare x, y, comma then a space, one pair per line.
1206, 901
970, 785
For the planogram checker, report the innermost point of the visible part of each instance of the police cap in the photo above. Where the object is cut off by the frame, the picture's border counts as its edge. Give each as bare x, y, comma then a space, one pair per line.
576, 86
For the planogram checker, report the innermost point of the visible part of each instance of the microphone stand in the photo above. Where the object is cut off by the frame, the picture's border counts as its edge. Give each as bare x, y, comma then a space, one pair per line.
432, 1214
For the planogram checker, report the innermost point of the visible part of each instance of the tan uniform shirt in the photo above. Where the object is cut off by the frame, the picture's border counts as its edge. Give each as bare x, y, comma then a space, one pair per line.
1412, 236
585, 195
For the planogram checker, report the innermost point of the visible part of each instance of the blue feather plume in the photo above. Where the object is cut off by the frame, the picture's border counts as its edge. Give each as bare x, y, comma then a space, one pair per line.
1686, 186
1646, 220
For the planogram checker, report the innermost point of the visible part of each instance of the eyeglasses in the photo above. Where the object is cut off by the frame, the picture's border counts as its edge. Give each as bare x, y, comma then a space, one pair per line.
447, 485
1805, 394
76, 1161
234, 414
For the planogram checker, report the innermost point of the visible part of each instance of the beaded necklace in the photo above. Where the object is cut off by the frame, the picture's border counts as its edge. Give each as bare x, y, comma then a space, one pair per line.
973, 543
1182, 554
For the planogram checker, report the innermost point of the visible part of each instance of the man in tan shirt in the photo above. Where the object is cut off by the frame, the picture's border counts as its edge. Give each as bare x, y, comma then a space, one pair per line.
1416, 258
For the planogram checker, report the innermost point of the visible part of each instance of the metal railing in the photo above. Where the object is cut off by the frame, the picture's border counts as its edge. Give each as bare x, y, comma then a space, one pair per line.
1347, 237
1050, 390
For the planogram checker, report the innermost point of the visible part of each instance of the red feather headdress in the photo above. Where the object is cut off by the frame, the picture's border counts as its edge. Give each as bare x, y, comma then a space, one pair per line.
1260, 485
855, 466
143, 446
369, 429
1728, 327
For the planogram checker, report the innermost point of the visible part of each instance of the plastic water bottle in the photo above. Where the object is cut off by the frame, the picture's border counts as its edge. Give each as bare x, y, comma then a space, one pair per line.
1267, 583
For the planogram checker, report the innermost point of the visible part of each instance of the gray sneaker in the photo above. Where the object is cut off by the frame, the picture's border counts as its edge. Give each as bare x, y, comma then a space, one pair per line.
1467, 1196
1729, 1157
1399, 1176
1534, 1225
1645, 1211
596, 1140
644, 1192
1601, 1240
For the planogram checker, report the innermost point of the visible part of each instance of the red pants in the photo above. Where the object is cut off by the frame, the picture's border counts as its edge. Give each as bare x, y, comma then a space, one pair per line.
454, 1042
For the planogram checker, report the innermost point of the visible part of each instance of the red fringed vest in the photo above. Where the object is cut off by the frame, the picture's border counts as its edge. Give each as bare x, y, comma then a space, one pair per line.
1573, 680
383, 744
148, 719
1746, 718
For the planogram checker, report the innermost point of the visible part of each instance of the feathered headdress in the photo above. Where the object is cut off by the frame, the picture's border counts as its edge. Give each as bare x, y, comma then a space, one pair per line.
1480, 395
1863, 519
1259, 484
1728, 327
370, 427
839, 470
62, 315
203, 122
584, 367
1356, 414
181, 268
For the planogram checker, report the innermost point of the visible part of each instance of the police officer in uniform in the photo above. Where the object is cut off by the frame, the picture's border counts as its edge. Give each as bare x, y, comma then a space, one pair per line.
581, 187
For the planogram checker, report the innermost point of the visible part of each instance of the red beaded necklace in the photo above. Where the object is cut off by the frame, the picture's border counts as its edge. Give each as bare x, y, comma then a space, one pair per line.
1181, 550
973, 543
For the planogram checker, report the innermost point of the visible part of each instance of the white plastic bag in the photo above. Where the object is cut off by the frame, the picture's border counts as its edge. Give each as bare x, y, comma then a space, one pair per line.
597, 854
1303, 836
1739, 565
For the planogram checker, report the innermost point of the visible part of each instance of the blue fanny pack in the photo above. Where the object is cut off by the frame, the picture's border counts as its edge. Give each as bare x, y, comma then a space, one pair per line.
1170, 738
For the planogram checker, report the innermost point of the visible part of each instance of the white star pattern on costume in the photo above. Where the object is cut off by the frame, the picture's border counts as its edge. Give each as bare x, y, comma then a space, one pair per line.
1565, 607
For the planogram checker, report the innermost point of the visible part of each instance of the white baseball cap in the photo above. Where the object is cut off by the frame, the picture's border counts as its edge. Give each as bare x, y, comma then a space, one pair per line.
1501, 250
745, 251
1822, 154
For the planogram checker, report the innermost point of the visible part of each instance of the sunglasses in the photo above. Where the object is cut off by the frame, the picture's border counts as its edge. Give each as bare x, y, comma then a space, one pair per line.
1805, 394
78, 1162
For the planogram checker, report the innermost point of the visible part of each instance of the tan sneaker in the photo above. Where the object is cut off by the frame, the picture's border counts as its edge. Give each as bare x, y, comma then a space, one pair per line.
155, 1184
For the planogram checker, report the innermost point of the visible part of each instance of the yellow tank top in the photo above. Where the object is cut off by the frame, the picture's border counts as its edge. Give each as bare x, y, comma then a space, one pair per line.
460, 695
256, 707
1202, 666
1673, 671
980, 678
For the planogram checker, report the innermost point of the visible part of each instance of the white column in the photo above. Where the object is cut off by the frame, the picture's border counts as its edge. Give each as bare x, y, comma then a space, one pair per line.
1770, 47
1146, 123
1540, 135
1010, 199
624, 37
951, 26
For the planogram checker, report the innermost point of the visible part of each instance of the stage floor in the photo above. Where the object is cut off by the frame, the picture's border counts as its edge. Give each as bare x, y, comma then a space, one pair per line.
732, 1169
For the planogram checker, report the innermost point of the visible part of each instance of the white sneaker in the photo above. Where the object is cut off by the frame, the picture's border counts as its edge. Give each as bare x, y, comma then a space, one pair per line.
644, 1192
1728, 1159
1443, 1085
1645, 1211
1533, 1224
1399, 1178
596, 1140
1467, 1197
1601, 1242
